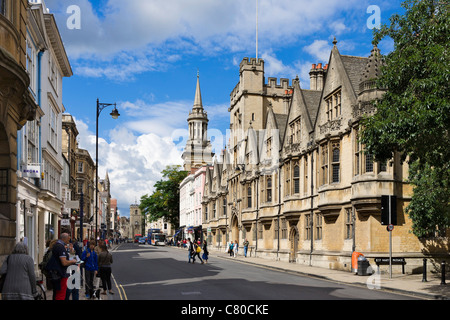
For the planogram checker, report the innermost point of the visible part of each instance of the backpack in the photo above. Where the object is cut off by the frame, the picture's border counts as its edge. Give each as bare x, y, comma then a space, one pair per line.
198, 249
44, 263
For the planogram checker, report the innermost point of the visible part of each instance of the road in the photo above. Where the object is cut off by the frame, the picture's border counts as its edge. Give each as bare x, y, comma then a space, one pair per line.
143, 272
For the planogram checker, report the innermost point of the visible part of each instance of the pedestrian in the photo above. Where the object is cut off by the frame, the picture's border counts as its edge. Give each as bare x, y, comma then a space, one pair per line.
230, 248
20, 281
90, 259
74, 249
246, 243
235, 248
197, 251
190, 250
205, 251
57, 266
105, 260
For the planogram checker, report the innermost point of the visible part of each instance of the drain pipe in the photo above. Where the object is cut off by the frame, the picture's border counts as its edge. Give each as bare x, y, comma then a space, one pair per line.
311, 222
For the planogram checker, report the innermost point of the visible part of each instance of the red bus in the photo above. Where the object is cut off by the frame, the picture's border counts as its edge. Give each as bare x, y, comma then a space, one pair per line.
136, 237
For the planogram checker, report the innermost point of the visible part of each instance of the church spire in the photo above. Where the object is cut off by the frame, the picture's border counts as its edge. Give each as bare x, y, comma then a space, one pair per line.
198, 94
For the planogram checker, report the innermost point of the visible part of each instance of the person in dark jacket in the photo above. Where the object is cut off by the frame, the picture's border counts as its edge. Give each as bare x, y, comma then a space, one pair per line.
57, 266
90, 259
20, 282
105, 261
205, 251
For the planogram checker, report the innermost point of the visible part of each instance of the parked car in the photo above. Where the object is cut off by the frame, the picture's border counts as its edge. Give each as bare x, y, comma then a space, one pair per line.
142, 240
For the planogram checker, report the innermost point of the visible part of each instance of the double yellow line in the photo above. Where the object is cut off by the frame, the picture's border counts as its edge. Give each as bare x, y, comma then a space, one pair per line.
120, 289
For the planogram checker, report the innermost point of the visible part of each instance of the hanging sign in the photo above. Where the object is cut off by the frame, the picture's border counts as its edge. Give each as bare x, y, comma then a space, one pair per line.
31, 171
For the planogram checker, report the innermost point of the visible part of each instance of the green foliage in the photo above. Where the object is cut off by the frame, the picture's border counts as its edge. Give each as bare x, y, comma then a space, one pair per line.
165, 200
413, 117
429, 208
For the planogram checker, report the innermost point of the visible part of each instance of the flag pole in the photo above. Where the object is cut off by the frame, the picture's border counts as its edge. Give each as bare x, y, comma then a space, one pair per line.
257, 31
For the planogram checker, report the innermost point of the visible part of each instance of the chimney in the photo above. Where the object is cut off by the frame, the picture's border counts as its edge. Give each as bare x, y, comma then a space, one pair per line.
320, 73
313, 77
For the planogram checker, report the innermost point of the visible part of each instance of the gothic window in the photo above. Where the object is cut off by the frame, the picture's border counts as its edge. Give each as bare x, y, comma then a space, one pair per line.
306, 176
206, 213
369, 162
295, 131
269, 189
224, 206
307, 227
214, 210
324, 164
318, 226
287, 175
249, 197
333, 103
335, 163
348, 223
296, 179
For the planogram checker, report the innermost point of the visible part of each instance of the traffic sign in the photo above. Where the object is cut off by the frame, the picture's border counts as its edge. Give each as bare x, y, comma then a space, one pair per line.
390, 227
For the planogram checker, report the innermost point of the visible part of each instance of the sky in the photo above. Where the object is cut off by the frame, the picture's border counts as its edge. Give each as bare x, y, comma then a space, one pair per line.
144, 55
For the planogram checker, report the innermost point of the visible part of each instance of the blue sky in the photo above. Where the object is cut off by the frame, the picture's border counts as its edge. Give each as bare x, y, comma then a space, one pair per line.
144, 55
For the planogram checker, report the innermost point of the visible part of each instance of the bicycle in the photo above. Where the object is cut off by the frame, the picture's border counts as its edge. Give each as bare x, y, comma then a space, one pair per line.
41, 290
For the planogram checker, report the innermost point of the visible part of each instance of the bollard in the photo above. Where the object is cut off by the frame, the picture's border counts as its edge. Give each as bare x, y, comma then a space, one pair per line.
424, 278
443, 273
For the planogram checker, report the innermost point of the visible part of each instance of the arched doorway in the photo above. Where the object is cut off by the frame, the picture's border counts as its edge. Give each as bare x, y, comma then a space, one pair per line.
293, 241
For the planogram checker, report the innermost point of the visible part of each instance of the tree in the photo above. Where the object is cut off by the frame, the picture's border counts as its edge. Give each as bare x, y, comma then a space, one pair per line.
165, 200
413, 116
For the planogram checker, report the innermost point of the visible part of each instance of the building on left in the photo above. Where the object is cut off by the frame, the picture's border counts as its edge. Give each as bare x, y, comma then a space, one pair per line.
44, 176
17, 106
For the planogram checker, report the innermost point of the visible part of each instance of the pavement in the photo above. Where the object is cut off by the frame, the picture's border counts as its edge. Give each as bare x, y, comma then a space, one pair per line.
408, 284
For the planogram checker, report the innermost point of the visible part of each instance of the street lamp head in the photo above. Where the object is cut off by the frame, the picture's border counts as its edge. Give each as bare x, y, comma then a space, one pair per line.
115, 113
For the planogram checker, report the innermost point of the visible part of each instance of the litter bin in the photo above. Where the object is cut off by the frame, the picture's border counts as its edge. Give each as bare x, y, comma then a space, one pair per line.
355, 256
363, 265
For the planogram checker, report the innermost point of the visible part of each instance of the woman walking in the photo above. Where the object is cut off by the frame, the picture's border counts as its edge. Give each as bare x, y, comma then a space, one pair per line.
105, 260
205, 251
20, 282
235, 248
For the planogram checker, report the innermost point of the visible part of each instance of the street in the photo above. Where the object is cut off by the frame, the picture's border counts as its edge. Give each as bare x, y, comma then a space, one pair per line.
144, 272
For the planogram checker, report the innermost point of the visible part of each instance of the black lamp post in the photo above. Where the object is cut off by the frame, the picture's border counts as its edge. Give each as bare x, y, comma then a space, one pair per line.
114, 114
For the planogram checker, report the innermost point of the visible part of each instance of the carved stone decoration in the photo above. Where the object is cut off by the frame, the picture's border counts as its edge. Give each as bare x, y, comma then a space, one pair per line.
331, 125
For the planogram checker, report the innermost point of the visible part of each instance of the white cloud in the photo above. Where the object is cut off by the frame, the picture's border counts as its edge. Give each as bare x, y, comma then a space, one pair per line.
319, 49
274, 67
134, 163
141, 36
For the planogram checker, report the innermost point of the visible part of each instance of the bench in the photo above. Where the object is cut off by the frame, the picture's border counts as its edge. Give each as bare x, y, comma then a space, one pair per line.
395, 261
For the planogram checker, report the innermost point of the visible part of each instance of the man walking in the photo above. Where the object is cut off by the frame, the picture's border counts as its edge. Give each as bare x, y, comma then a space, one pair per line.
90, 259
246, 243
59, 266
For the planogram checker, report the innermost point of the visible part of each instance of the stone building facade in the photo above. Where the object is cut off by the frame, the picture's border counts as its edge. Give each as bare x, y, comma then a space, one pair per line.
17, 106
295, 181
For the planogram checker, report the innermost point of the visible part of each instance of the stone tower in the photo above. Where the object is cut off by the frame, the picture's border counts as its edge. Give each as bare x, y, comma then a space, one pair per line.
198, 151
